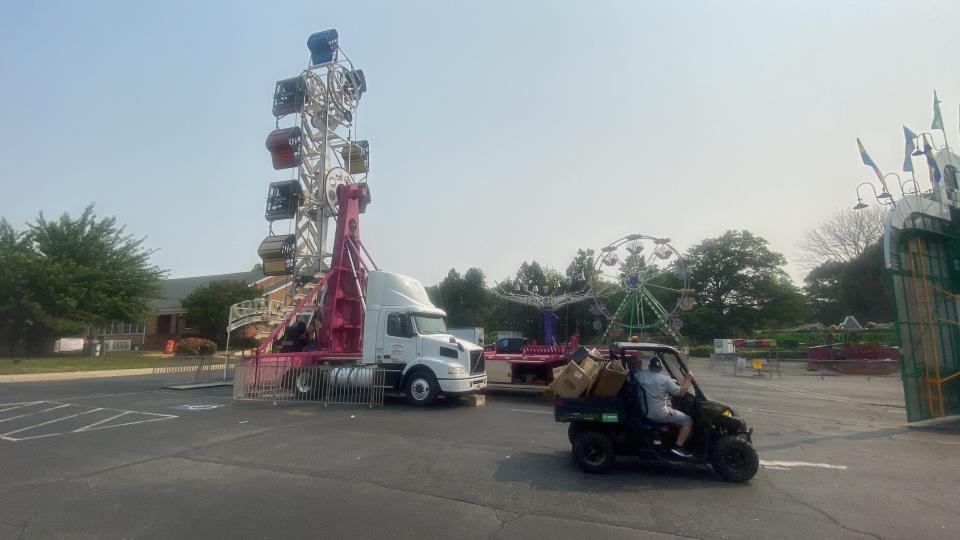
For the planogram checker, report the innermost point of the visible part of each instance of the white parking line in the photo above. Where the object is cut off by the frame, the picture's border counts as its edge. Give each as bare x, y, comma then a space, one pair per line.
33, 412
99, 424
18, 405
784, 465
162, 417
5, 435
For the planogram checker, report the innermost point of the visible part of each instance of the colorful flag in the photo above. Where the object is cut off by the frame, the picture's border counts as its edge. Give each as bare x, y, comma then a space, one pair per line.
869, 162
931, 163
937, 119
908, 149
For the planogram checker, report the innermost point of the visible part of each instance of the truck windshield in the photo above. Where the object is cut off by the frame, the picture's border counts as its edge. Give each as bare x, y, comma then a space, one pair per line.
430, 324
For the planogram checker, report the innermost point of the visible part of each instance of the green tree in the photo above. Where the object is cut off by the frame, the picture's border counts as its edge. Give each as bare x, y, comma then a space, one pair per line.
823, 289
66, 275
858, 287
19, 311
208, 306
740, 287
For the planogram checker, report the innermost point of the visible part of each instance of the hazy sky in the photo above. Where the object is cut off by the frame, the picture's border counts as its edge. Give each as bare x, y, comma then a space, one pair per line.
499, 131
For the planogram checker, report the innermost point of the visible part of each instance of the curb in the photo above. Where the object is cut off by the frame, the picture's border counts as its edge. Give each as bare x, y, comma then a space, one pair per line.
72, 375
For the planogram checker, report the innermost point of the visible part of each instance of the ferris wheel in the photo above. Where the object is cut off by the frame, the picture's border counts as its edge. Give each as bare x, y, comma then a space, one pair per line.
647, 281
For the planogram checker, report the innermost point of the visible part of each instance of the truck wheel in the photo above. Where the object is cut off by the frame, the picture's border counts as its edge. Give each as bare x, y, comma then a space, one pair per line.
593, 451
734, 459
422, 388
305, 384
572, 431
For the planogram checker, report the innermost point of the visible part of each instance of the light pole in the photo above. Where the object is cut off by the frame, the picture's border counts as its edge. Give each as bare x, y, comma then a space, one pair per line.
880, 198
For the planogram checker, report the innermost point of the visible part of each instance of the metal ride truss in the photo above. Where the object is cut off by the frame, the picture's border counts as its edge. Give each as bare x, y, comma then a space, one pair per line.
547, 304
654, 283
322, 149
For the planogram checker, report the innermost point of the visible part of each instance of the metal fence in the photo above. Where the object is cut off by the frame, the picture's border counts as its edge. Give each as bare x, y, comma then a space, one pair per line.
186, 370
774, 363
277, 380
756, 364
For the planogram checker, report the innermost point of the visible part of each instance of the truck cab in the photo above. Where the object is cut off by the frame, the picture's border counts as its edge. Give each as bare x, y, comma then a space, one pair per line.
405, 334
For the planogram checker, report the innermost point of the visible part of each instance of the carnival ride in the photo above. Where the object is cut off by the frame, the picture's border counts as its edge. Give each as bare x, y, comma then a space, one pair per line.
547, 301
921, 245
649, 274
315, 138
645, 278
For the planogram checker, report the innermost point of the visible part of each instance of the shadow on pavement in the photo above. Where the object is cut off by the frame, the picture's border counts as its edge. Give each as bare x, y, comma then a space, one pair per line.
557, 472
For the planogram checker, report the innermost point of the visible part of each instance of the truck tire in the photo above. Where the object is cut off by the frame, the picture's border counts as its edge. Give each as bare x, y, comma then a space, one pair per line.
734, 459
593, 451
572, 431
422, 388
305, 384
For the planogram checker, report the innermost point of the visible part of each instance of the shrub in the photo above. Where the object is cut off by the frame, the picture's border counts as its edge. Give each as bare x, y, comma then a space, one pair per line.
195, 347
701, 351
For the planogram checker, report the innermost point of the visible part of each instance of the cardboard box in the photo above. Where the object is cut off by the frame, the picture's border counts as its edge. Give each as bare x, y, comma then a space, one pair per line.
476, 400
499, 371
574, 380
609, 380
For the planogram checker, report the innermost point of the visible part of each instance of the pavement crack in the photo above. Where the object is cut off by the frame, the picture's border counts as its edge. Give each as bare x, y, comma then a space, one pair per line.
816, 509
314, 474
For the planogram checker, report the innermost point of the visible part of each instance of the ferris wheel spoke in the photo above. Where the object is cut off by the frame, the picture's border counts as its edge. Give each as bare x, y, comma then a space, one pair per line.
655, 286
650, 258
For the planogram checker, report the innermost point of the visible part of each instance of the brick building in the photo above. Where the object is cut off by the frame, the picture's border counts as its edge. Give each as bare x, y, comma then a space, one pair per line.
166, 320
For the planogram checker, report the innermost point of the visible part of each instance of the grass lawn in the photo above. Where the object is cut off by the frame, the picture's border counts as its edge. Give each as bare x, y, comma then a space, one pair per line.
51, 364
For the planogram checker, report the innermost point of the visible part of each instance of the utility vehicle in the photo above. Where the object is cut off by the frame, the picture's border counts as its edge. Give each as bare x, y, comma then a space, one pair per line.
602, 428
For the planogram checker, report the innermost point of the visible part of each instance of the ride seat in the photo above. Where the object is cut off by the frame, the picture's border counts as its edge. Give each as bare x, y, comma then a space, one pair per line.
634, 398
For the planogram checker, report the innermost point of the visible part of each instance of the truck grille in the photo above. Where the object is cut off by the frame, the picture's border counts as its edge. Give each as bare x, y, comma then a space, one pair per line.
477, 364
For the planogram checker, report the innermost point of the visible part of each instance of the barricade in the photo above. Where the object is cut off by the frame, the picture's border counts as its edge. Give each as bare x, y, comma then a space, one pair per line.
276, 380
195, 370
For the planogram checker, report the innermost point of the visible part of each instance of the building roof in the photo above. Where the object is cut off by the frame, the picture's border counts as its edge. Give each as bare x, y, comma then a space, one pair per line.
172, 291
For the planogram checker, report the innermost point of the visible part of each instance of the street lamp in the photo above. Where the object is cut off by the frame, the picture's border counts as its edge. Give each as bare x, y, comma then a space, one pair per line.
881, 197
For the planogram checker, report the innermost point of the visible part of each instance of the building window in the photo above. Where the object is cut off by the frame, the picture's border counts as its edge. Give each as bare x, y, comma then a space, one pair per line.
117, 328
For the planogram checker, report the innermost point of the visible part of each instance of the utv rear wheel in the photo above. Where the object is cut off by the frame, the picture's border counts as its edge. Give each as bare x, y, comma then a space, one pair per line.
593, 451
422, 388
734, 459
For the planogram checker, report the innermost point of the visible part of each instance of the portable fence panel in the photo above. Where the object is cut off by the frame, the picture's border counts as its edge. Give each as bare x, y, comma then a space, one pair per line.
195, 369
276, 380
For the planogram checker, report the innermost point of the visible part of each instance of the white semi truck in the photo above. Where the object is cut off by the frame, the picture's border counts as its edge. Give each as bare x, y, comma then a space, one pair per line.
406, 334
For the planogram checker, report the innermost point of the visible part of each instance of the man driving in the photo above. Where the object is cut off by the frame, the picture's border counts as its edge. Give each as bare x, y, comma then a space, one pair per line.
658, 386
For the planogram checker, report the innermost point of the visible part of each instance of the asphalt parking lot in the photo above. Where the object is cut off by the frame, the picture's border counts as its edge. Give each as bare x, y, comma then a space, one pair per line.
123, 458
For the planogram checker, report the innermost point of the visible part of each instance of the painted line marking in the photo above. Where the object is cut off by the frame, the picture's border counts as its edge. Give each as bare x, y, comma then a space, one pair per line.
6, 435
526, 410
101, 422
781, 465
164, 417
33, 412
18, 405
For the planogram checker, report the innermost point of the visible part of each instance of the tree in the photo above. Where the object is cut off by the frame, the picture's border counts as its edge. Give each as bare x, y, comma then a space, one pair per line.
740, 286
19, 311
66, 275
465, 298
843, 237
208, 306
822, 287
859, 287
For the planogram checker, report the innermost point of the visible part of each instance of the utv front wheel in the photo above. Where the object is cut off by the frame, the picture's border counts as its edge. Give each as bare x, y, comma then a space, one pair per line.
593, 451
735, 460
